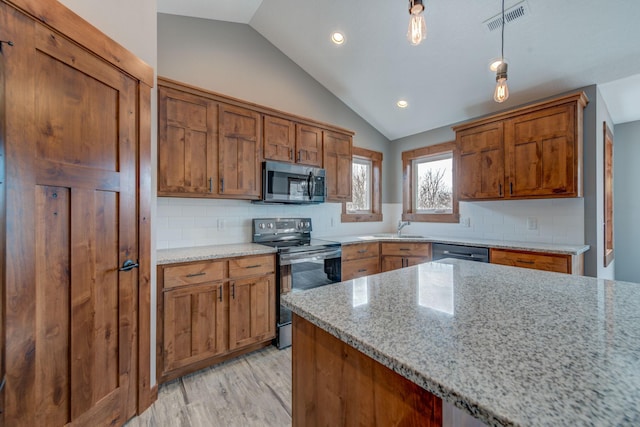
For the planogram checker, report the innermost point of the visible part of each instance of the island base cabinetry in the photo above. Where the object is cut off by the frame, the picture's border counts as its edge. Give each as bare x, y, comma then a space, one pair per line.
211, 311
335, 384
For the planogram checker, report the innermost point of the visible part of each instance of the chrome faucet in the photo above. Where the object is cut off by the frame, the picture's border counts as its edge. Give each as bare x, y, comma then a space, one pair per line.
402, 225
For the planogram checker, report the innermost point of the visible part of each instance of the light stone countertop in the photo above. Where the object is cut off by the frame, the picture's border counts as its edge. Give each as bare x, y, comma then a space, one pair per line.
509, 346
202, 253
525, 246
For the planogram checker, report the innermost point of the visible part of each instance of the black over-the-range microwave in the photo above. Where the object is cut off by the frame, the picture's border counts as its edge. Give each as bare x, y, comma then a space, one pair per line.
292, 183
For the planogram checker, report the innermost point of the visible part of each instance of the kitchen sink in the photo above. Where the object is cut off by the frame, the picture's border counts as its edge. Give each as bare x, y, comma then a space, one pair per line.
395, 236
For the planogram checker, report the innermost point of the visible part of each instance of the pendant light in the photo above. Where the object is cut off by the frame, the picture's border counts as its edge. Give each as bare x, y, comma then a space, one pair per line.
417, 27
502, 90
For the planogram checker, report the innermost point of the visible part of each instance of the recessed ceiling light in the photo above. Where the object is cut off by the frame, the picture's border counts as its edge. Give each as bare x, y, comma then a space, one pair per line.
402, 103
337, 37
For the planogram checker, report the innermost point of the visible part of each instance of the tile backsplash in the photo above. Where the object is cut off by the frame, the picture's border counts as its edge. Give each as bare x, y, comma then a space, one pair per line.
184, 222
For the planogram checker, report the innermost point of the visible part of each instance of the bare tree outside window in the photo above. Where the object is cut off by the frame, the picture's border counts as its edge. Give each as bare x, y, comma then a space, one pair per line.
361, 186
434, 189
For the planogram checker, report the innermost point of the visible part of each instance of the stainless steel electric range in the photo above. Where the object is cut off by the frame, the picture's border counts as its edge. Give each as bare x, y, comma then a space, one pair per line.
302, 262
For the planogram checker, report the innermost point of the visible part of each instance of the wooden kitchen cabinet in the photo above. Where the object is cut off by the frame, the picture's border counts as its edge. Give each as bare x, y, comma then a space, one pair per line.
360, 259
239, 153
531, 152
279, 139
395, 255
559, 263
480, 169
210, 311
187, 143
309, 145
337, 164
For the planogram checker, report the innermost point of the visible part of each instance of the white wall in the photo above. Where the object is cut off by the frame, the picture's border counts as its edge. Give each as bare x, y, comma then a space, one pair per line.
626, 210
134, 26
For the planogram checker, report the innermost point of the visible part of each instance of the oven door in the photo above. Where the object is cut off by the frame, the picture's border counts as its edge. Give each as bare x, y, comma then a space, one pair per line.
301, 271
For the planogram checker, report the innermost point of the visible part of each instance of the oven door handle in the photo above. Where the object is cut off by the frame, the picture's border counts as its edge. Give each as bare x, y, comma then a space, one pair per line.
299, 257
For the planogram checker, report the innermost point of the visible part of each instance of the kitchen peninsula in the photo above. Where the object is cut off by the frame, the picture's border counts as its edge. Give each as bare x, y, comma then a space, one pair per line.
508, 346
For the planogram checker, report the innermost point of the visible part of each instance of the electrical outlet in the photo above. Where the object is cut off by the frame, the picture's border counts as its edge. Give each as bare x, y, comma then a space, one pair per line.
465, 222
221, 224
532, 223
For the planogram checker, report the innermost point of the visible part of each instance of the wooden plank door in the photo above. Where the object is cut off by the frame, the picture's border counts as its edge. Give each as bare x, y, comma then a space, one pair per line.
240, 152
71, 316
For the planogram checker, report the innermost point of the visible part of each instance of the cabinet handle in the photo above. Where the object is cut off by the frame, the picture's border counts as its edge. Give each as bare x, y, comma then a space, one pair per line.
290, 153
362, 270
196, 274
511, 188
299, 155
210, 185
222, 185
405, 249
253, 266
499, 189
362, 251
233, 291
220, 292
524, 261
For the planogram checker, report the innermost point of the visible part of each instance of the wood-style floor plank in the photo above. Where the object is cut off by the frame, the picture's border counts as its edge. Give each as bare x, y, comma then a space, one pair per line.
251, 390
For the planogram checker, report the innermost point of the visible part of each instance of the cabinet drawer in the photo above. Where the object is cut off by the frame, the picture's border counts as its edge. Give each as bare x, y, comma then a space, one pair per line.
539, 261
360, 251
190, 274
359, 268
252, 266
406, 249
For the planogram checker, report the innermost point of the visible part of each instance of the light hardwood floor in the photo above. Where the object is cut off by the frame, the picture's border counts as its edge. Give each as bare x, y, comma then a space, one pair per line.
252, 390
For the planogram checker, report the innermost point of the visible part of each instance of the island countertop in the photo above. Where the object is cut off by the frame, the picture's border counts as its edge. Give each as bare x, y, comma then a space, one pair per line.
509, 346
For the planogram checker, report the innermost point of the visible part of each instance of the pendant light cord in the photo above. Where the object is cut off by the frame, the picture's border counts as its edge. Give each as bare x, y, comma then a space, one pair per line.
502, 51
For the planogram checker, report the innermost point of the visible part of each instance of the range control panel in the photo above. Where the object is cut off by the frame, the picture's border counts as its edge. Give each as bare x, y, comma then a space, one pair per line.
263, 226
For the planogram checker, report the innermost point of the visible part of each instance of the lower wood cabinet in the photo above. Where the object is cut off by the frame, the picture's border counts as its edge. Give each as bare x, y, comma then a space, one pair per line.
360, 259
559, 263
210, 311
403, 254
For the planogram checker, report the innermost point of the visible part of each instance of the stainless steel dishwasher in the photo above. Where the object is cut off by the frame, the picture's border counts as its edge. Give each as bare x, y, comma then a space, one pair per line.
470, 253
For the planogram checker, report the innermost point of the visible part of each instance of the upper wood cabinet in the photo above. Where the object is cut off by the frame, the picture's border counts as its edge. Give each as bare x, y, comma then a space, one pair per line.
480, 149
212, 145
279, 137
239, 152
308, 145
337, 163
531, 152
188, 133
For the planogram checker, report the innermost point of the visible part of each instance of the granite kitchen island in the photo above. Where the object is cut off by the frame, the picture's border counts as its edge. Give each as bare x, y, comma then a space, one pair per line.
508, 346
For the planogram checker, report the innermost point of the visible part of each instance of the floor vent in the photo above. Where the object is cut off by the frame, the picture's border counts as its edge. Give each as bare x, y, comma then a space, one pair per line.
518, 11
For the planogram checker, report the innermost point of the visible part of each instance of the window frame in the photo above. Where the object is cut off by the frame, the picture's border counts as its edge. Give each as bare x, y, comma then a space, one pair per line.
375, 157
409, 211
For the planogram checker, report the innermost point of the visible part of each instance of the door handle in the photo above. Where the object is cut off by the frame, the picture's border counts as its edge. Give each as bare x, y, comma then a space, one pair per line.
129, 265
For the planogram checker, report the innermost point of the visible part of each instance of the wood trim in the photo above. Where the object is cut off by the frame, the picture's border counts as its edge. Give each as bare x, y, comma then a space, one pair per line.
184, 87
335, 384
408, 210
579, 97
147, 394
608, 195
58, 17
376, 190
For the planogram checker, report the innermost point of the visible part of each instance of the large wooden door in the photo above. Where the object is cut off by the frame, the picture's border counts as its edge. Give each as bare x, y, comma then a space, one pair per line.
71, 219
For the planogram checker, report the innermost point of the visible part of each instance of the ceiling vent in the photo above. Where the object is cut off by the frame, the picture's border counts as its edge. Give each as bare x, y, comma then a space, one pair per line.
518, 11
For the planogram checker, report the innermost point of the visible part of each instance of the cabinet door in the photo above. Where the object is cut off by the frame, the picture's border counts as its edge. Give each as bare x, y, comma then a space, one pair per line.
195, 326
279, 139
480, 168
391, 262
559, 263
251, 311
308, 145
337, 163
239, 153
542, 153
187, 141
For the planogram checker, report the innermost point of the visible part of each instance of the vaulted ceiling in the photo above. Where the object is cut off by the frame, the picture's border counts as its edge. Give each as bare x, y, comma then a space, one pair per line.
556, 46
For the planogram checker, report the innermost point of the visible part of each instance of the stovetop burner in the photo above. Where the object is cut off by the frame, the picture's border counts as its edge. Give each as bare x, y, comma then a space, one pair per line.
287, 234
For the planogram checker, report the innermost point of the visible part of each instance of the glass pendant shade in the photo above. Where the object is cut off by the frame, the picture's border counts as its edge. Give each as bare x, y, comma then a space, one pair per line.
417, 26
